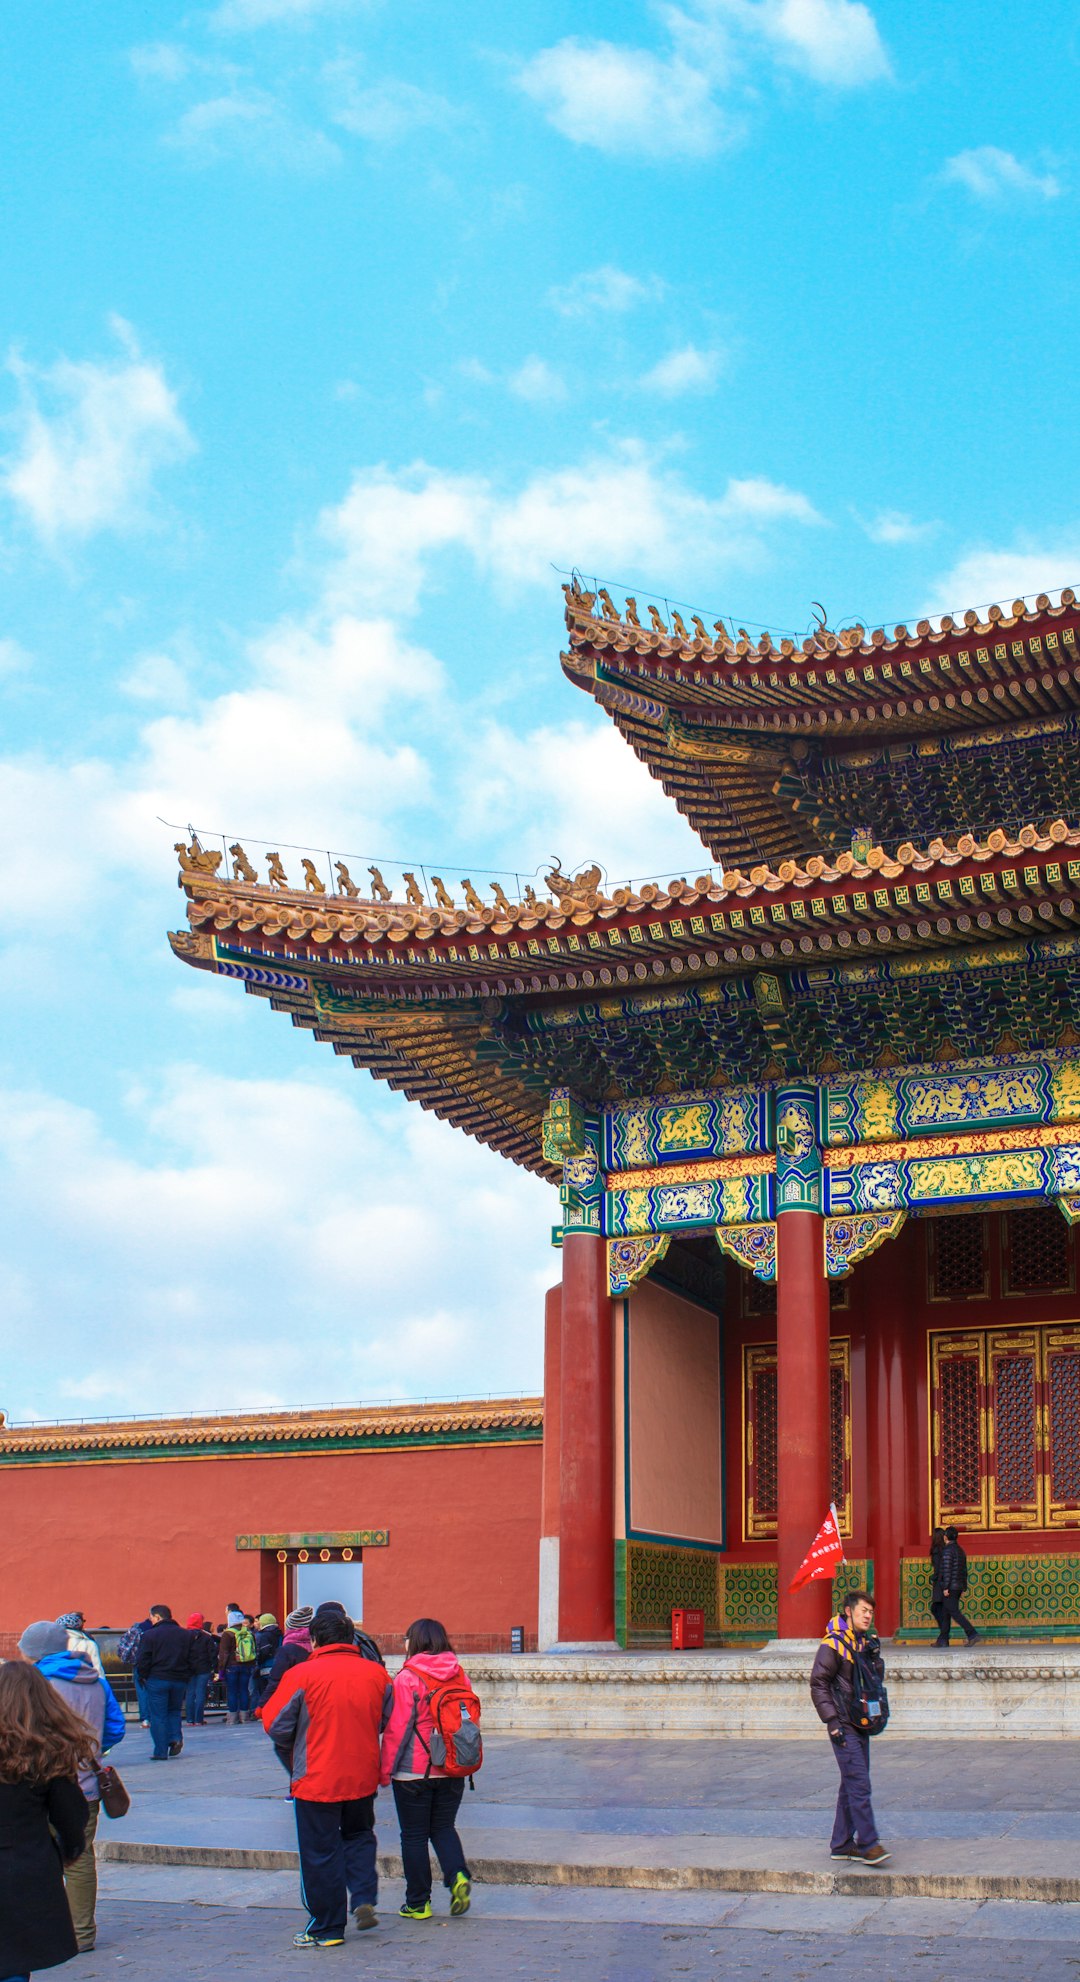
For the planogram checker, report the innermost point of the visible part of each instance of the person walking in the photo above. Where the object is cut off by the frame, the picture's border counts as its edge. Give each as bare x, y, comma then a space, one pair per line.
164, 1666
43, 1815
127, 1651
203, 1659
954, 1582
236, 1662
295, 1646
324, 1718
268, 1638
80, 1641
73, 1678
427, 1800
937, 1602
832, 1689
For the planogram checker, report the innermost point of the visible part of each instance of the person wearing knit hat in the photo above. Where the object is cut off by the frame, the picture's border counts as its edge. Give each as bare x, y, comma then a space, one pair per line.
203, 1660
73, 1677
79, 1640
294, 1648
268, 1639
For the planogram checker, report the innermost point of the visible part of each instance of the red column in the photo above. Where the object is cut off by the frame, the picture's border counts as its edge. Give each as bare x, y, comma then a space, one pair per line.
586, 1446
548, 1609
892, 1516
802, 1411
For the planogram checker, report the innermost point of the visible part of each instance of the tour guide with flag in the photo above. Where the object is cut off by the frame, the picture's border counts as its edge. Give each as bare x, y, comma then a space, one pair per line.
848, 1640
835, 1684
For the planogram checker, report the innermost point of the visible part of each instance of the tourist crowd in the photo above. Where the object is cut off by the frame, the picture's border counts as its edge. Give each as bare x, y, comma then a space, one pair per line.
339, 1724
342, 1728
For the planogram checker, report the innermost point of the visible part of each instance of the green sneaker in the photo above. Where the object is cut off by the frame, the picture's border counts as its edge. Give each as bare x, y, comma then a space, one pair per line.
461, 1894
408, 1912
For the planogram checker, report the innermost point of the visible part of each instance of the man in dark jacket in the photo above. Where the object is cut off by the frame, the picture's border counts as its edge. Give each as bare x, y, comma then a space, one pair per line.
849, 1635
164, 1666
325, 1719
953, 1583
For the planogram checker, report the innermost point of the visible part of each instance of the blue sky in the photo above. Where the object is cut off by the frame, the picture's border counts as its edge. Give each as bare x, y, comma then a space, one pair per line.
331, 328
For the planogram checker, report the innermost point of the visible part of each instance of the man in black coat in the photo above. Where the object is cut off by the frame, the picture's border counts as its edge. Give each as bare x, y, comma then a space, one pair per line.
163, 1664
953, 1581
849, 1636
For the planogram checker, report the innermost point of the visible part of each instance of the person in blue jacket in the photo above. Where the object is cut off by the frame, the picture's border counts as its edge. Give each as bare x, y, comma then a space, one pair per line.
72, 1675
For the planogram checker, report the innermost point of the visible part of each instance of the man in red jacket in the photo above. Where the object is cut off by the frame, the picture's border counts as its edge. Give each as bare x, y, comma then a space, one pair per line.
325, 1719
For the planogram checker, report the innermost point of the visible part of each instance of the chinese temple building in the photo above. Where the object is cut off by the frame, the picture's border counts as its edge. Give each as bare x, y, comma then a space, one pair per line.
814, 1115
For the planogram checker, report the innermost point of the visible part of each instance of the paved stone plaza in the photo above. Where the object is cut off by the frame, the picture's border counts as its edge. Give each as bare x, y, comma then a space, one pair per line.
656, 1806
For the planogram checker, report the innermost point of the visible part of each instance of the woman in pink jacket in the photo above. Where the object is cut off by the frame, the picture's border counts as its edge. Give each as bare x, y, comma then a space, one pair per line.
427, 1799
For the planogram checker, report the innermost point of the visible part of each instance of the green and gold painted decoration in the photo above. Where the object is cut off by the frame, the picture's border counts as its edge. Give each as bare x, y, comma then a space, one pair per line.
849, 1240
881, 1108
563, 1127
629, 1260
733, 1122
752, 1246
798, 1157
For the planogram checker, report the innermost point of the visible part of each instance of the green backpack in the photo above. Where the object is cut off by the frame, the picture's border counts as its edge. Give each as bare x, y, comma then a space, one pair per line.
245, 1643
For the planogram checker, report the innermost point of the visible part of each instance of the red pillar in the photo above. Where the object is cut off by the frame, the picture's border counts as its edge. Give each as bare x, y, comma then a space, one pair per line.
548, 1612
803, 1485
586, 1446
892, 1516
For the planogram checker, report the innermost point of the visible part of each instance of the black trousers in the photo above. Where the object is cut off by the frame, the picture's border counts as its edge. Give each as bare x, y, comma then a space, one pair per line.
951, 1613
427, 1807
336, 1842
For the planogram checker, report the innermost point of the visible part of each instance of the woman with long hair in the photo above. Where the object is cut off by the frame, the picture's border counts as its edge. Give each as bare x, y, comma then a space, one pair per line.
426, 1797
43, 1815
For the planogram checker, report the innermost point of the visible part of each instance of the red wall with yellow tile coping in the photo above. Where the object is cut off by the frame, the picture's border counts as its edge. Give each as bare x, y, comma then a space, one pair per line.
111, 1538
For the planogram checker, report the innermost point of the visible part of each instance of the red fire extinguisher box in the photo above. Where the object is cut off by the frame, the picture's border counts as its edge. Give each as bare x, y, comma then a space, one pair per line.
687, 1630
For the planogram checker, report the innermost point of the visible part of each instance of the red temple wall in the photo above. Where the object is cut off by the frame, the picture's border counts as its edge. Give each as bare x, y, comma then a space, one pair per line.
112, 1538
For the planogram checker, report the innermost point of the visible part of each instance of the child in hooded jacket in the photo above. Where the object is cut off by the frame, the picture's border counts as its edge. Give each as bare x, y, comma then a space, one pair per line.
426, 1798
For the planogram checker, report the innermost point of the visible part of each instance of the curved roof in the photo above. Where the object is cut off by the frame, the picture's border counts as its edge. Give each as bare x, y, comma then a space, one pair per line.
774, 750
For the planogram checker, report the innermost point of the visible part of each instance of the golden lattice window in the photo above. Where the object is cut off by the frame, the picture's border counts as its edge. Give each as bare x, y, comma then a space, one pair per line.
959, 1258
1005, 1427
959, 1425
760, 1495
1038, 1251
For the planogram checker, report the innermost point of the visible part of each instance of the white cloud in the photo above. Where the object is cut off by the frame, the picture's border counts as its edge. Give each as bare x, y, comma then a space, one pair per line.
687, 370
385, 111
294, 1187
989, 575
612, 512
251, 125
577, 790
990, 174
894, 526
158, 678
833, 41
604, 288
640, 103
537, 382
625, 101
307, 750
90, 435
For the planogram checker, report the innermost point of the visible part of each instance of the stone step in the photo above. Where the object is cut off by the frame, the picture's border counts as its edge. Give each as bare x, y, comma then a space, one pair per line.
978, 1869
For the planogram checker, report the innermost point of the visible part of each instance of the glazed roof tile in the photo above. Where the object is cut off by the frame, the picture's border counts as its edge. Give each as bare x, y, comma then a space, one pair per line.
332, 1425
753, 740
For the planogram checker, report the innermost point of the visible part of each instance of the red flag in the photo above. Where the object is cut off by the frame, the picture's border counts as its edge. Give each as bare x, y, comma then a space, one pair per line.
825, 1554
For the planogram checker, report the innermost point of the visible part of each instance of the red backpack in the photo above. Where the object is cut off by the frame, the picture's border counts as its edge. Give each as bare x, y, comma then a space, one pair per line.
456, 1745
